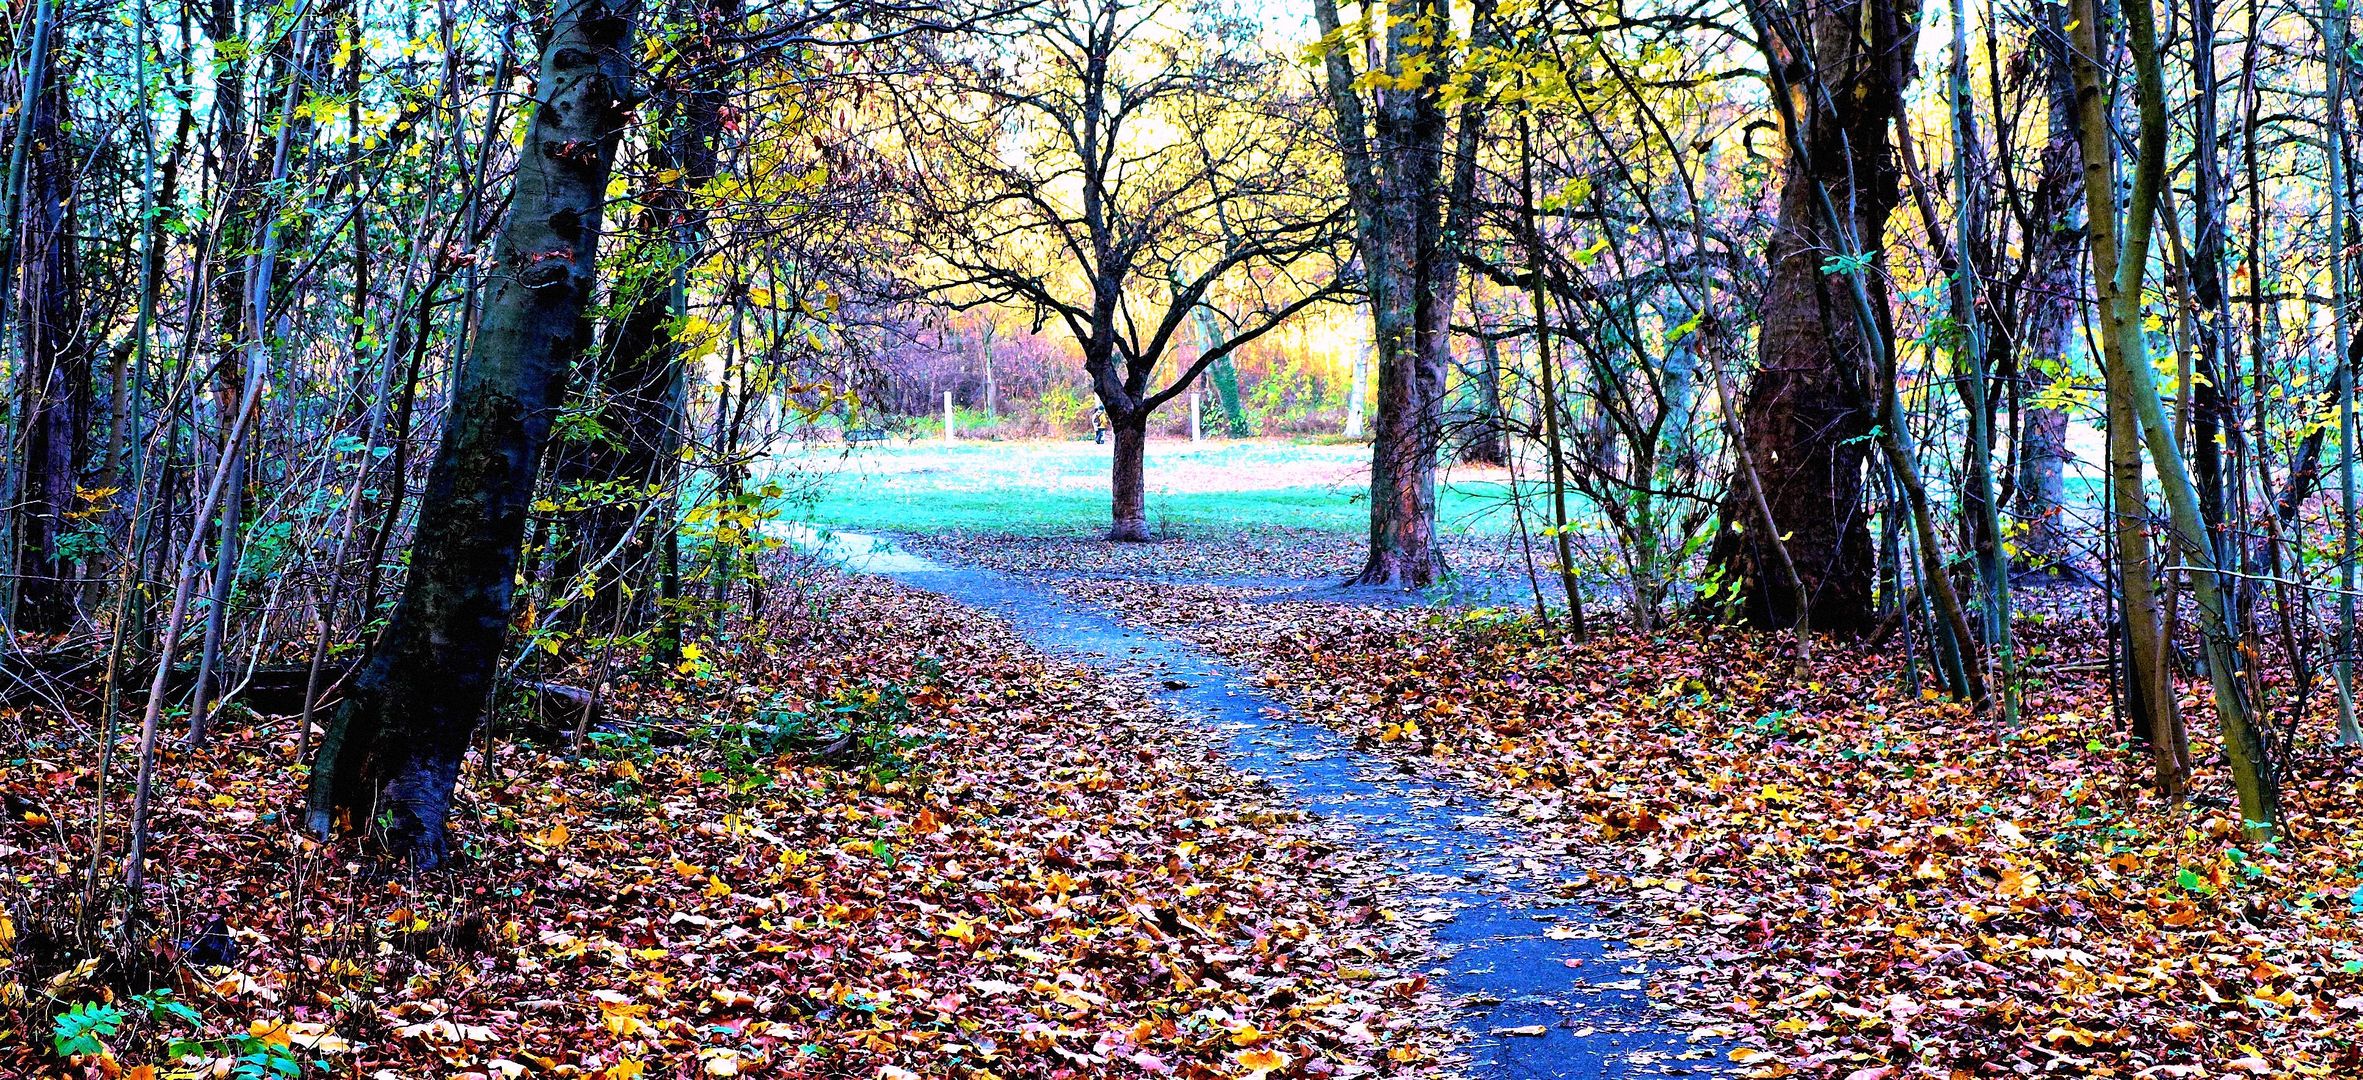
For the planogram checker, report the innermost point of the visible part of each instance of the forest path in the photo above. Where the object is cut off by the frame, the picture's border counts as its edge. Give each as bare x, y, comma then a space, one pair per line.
1513, 953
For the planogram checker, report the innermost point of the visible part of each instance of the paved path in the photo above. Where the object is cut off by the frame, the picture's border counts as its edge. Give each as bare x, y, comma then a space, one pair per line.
1514, 954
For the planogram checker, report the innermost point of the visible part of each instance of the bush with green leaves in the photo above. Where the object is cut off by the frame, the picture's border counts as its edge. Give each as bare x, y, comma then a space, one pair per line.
859, 724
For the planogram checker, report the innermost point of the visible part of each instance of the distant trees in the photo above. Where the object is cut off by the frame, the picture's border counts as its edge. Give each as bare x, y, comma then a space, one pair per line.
1112, 166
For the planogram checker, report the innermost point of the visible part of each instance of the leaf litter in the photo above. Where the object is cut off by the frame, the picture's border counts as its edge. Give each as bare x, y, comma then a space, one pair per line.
1862, 882
1052, 880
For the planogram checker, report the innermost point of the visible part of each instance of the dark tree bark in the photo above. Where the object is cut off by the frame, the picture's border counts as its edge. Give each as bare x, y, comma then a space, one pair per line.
1409, 217
2211, 414
56, 392
1128, 483
638, 374
1486, 440
1808, 413
392, 754
2049, 310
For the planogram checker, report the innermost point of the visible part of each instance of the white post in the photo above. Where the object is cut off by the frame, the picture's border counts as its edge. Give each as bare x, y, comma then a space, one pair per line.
949, 434
1354, 389
1193, 416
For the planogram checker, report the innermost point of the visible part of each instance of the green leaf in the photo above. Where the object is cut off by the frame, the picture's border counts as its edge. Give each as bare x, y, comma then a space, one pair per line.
77, 1030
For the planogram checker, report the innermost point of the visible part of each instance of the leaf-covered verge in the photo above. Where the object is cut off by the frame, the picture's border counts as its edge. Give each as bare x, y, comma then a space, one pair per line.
1874, 884
1272, 551
1015, 870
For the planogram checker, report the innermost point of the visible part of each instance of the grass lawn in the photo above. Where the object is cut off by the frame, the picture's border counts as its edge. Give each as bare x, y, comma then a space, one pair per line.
1054, 487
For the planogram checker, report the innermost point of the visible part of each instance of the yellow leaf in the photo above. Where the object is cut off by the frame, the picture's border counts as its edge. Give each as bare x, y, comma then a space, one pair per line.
1260, 1062
620, 1014
626, 1069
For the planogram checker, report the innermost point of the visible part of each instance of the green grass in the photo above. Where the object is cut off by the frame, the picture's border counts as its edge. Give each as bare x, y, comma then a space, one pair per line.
1050, 488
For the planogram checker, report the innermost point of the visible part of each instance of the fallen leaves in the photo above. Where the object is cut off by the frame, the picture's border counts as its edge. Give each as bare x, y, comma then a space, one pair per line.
1874, 883
1062, 884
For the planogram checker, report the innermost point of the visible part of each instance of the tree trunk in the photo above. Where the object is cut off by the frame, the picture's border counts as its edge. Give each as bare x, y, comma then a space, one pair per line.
56, 361
1357, 388
392, 754
1128, 485
1223, 374
2250, 762
2048, 320
2335, 64
1409, 219
640, 371
993, 388
625, 464
1403, 457
2149, 698
1980, 498
1807, 409
241, 215
1486, 440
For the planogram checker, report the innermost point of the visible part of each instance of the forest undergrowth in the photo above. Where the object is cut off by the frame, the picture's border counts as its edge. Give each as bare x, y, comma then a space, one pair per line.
1872, 883
869, 836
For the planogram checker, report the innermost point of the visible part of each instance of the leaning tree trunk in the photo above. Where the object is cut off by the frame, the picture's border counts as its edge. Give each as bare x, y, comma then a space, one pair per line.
1223, 373
56, 391
392, 754
1809, 415
2245, 751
